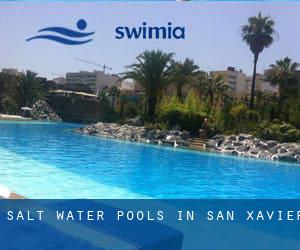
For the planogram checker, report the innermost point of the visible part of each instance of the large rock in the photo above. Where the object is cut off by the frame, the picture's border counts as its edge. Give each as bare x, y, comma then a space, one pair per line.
288, 156
41, 110
249, 146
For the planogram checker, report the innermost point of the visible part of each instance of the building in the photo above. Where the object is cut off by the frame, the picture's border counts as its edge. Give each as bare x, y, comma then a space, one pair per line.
131, 86
59, 80
240, 83
96, 80
236, 80
261, 84
12, 71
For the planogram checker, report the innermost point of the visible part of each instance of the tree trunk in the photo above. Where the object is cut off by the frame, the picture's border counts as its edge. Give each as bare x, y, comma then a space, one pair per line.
179, 92
152, 100
253, 82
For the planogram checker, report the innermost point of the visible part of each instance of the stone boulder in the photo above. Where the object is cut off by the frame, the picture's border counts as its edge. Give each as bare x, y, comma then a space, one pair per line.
41, 110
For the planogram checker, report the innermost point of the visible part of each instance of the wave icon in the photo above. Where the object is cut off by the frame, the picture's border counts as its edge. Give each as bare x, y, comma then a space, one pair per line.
69, 37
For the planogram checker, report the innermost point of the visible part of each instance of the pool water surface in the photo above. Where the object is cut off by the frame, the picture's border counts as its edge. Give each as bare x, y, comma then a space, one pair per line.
49, 160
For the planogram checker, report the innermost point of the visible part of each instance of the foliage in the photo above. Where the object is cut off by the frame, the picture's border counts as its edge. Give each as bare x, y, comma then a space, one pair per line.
283, 74
28, 89
184, 73
128, 106
153, 71
19, 91
294, 113
187, 116
243, 119
282, 132
216, 89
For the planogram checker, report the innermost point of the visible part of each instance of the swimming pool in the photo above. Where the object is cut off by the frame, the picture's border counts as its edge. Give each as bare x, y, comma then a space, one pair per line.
49, 160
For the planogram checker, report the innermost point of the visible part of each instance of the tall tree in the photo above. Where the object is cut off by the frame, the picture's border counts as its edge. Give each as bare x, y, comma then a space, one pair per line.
216, 89
153, 72
184, 73
7, 89
283, 75
258, 33
28, 89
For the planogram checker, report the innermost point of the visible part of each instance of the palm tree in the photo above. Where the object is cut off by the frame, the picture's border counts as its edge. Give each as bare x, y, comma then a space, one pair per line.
184, 73
113, 92
200, 84
216, 88
153, 72
258, 34
28, 89
283, 74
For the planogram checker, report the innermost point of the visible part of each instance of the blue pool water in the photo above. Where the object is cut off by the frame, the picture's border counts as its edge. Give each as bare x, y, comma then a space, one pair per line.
48, 160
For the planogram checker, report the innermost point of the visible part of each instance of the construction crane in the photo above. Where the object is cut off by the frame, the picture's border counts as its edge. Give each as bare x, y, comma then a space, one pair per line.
104, 66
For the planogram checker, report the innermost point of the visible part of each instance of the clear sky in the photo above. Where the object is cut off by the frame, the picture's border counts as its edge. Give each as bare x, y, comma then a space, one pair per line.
212, 34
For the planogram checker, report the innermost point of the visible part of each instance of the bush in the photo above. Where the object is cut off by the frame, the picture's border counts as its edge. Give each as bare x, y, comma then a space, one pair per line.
243, 119
294, 113
282, 132
185, 119
187, 116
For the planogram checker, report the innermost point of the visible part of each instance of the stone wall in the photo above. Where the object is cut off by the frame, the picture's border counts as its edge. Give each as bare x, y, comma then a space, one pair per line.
136, 133
249, 146
239, 145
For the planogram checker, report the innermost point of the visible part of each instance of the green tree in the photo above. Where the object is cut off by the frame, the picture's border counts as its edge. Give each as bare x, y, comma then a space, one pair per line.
7, 89
184, 73
258, 34
28, 89
153, 71
283, 75
216, 89
2, 89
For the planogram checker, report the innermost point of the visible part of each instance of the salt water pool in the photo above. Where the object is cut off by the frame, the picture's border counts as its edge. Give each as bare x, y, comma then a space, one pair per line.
49, 160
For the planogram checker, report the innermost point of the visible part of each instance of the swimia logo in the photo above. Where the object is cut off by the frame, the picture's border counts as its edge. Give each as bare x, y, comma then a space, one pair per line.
65, 35
150, 32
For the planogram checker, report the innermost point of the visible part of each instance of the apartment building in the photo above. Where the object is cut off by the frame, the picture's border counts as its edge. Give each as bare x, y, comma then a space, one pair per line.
12, 71
236, 80
96, 80
241, 84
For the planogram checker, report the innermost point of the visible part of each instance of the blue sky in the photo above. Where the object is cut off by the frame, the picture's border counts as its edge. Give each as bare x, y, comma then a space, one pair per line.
212, 34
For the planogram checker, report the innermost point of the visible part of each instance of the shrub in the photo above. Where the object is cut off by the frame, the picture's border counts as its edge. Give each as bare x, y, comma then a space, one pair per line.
186, 115
243, 119
294, 113
282, 132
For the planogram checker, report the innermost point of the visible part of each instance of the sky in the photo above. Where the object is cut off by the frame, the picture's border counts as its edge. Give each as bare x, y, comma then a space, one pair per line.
212, 40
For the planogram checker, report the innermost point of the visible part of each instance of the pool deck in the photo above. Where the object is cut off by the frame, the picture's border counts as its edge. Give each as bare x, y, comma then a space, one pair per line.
14, 118
14, 196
